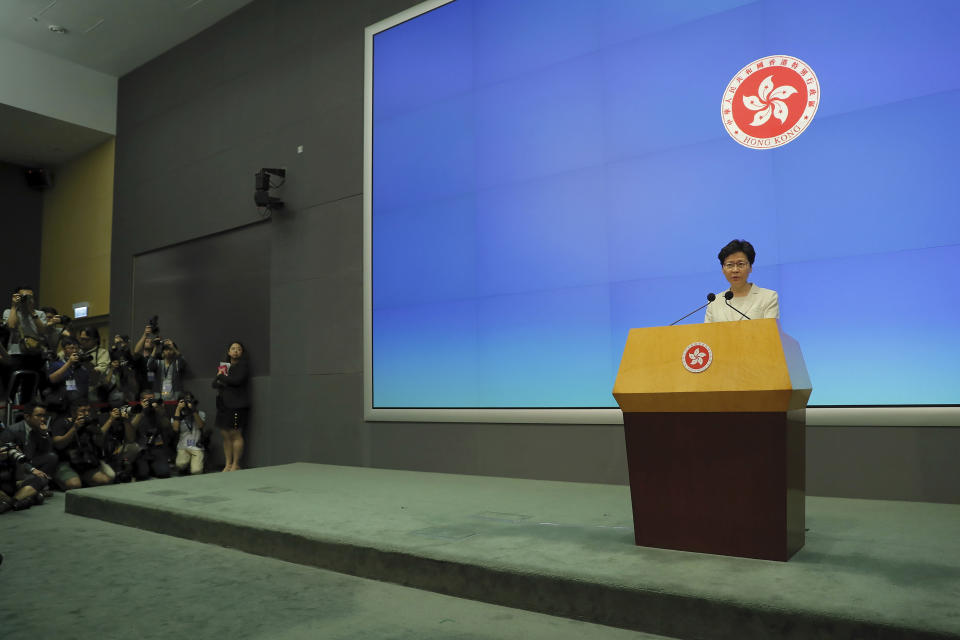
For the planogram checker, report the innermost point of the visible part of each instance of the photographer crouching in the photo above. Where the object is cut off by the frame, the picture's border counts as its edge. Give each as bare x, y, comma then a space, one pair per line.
79, 440
120, 441
153, 435
189, 422
25, 493
32, 436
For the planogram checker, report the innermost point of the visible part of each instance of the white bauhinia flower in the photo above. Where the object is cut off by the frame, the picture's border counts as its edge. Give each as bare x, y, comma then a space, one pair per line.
769, 101
761, 117
696, 357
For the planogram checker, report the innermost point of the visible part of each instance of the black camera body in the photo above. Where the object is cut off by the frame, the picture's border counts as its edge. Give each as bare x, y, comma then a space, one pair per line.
153, 435
85, 455
120, 355
153, 406
154, 325
189, 405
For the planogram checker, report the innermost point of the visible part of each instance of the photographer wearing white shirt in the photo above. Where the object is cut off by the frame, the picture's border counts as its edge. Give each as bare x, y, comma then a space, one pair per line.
28, 329
189, 422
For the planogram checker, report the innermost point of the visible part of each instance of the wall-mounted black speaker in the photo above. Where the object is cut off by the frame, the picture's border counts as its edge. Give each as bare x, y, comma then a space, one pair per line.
39, 179
262, 186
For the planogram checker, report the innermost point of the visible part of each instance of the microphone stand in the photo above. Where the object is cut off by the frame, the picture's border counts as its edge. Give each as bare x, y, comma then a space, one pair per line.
726, 298
710, 298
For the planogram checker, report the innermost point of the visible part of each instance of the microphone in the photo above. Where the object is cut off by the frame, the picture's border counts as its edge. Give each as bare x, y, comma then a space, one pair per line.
710, 298
726, 298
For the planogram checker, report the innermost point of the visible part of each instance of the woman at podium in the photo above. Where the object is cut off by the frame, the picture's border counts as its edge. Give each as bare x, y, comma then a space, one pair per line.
743, 300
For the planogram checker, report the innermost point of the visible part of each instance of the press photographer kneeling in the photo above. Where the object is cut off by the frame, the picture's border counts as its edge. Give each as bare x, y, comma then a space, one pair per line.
22, 494
153, 436
120, 441
79, 441
189, 421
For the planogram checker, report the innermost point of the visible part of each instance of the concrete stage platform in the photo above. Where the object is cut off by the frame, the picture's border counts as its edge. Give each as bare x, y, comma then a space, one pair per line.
870, 569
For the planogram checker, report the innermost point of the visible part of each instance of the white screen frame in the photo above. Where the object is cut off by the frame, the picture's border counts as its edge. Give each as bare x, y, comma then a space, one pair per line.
904, 416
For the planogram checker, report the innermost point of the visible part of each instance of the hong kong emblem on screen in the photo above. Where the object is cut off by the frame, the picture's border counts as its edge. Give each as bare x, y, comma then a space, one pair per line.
697, 357
770, 102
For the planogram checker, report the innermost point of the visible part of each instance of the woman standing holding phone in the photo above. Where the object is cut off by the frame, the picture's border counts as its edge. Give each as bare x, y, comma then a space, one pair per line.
233, 403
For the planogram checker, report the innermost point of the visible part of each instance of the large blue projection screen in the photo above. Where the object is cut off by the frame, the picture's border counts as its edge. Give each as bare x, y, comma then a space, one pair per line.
547, 175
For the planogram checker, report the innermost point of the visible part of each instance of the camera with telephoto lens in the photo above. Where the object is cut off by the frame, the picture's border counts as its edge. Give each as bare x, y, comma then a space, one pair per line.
26, 298
81, 358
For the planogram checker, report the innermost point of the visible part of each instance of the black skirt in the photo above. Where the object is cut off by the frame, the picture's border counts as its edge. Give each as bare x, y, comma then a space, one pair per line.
228, 419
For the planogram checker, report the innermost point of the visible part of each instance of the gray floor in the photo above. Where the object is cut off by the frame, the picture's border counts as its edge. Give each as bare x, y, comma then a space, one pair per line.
869, 569
66, 577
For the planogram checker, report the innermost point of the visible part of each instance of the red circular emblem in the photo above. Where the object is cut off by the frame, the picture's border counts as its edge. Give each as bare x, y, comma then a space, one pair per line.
770, 102
697, 357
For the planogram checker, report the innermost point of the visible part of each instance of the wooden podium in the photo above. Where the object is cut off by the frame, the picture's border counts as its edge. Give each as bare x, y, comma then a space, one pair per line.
716, 457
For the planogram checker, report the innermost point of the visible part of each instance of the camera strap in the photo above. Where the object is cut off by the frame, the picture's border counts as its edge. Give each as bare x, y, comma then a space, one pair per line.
29, 342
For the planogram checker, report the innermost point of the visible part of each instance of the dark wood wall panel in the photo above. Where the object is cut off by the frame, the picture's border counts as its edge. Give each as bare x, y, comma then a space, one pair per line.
207, 293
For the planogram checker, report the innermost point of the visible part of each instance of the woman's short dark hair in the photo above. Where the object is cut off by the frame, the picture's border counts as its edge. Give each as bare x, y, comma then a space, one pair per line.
243, 348
736, 246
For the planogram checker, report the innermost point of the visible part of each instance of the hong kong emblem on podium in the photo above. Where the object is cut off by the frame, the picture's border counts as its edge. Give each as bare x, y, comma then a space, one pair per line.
770, 102
697, 357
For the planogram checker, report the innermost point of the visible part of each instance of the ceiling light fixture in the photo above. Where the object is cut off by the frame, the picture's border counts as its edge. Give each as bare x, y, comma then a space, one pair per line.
57, 28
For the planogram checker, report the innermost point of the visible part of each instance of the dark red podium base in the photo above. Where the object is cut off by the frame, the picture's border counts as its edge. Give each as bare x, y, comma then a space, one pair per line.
724, 483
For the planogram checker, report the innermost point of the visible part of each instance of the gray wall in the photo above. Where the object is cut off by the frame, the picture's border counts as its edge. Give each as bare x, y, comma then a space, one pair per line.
21, 214
193, 127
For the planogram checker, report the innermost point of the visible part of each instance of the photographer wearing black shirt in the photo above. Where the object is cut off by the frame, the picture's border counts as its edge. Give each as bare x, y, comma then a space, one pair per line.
18, 495
79, 440
69, 378
57, 324
120, 446
148, 346
153, 436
